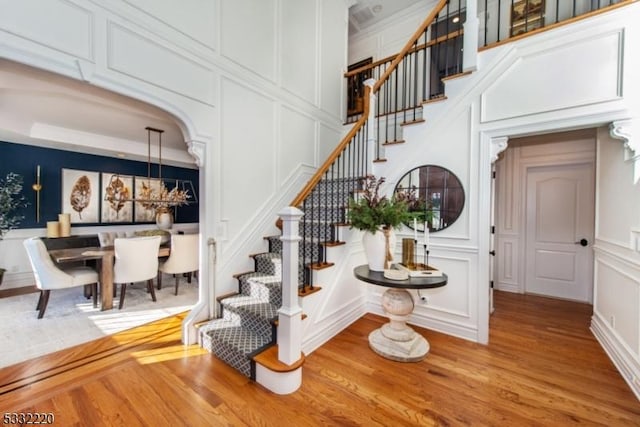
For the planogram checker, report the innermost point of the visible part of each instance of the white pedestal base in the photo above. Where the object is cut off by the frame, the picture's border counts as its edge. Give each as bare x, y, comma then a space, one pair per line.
395, 340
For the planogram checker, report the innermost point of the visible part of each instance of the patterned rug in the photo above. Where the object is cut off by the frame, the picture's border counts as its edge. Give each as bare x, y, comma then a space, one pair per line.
70, 318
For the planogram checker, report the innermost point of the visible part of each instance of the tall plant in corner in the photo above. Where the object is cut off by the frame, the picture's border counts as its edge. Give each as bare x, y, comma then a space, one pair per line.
11, 201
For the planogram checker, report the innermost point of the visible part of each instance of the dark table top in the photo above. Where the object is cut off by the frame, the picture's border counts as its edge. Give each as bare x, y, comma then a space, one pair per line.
363, 273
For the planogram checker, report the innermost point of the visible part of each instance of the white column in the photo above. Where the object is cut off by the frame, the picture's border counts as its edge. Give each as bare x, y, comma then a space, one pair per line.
372, 129
290, 314
471, 28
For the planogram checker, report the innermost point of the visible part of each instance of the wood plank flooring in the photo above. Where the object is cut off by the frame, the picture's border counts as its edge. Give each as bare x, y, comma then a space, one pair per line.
542, 368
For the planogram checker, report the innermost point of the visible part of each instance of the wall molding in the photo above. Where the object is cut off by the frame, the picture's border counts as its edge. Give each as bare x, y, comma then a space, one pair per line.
622, 357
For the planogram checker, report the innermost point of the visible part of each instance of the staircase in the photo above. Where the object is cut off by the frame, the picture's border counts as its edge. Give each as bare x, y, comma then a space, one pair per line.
247, 325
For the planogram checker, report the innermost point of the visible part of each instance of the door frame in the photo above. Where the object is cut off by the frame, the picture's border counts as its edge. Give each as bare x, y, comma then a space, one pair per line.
522, 166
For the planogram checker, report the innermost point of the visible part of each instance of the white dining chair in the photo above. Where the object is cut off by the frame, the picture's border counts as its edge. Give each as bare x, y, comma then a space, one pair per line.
136, 260
107, 238
183, 258
49, 277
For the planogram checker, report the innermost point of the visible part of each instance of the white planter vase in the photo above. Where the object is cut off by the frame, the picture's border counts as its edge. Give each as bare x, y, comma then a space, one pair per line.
377, 251
164, 219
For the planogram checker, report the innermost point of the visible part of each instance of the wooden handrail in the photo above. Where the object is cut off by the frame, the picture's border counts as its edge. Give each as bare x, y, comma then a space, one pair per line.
434, 13
304, 193
430, 43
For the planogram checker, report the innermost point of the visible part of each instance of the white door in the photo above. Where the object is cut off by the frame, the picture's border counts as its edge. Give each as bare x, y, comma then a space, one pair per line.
559, 231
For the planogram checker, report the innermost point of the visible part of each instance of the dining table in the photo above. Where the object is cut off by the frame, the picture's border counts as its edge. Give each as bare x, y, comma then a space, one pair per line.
104, 255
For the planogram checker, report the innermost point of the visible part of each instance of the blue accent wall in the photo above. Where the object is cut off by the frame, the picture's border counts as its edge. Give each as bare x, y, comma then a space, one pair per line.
23, 160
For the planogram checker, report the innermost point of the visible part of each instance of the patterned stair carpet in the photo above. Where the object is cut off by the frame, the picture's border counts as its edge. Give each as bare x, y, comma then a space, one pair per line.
247, 325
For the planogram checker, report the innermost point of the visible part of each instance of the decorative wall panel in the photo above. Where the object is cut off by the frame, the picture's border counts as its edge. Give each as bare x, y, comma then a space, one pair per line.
142, 58
41, 21
299, 48
578, 66
248, 35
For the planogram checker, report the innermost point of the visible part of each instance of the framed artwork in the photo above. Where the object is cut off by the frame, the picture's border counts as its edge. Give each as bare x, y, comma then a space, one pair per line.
81, 195
116, 189
144, 212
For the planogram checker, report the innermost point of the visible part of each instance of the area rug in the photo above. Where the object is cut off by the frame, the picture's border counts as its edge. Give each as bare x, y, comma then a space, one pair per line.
70, 318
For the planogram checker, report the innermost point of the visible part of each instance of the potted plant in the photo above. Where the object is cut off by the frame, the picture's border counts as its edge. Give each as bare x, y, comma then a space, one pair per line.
11, 201
378, 216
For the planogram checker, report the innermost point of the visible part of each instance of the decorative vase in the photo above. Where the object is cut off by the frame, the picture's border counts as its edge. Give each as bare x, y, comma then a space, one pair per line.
379, 247
164, 218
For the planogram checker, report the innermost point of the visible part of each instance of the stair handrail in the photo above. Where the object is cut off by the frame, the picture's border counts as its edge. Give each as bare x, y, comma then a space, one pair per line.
306, 190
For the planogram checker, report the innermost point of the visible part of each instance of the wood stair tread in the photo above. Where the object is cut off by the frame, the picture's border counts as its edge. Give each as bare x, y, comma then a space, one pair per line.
269, 359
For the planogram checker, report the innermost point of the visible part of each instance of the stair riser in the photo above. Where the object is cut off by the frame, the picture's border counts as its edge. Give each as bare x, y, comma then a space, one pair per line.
338, 185
320, 198
268, 266
227, 354
268, 292
258, 325
327, 214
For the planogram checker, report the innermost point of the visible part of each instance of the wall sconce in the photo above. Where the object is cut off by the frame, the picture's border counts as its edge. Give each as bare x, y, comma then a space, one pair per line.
37, 187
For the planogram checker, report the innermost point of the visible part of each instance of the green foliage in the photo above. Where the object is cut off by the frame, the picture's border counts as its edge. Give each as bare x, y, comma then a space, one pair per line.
371, 212
11, 201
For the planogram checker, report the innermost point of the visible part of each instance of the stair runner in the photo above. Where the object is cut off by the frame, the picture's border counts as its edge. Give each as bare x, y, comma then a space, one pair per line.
247, 326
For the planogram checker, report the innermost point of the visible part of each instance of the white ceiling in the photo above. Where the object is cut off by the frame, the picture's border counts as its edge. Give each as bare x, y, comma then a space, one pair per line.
46, 109
366, 13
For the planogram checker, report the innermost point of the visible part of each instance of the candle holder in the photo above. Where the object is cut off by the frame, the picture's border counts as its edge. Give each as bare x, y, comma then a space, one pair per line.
410, 263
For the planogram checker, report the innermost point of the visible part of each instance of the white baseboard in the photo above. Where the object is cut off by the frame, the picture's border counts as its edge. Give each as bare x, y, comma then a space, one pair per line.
324, 331
624, 360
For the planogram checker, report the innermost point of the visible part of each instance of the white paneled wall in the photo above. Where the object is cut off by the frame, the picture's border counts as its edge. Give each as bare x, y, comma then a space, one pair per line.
251, 83
616, 307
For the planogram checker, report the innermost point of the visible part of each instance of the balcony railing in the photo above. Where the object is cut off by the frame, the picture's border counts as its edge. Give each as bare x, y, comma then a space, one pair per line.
504, 19
417, 78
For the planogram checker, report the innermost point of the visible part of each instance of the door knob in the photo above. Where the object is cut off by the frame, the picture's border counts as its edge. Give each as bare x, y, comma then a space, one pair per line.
582, 242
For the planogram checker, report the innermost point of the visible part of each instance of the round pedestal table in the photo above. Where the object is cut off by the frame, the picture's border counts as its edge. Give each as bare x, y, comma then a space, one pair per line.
396, 340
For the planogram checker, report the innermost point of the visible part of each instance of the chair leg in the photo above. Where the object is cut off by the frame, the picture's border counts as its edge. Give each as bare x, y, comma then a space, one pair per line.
123, 288
94, 291
177, 280
159, 280
44, 296
39, 301
151, 289
189, 277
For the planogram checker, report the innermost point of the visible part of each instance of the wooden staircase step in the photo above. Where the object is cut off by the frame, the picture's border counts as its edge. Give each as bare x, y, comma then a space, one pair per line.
412, 122
307, 290
435, 99
229, 295
276, 321
333, 244
320, 265
396, 142
269, 359
456, 76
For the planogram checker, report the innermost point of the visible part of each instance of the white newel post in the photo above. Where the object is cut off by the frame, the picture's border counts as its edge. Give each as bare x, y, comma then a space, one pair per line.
470, 43
372, 131
290, 314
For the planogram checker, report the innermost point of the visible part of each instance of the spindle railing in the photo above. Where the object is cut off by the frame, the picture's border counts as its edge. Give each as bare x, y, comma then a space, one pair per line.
324, 198
508, 19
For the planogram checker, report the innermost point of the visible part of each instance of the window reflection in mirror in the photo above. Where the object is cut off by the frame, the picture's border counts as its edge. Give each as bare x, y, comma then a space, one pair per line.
440, 196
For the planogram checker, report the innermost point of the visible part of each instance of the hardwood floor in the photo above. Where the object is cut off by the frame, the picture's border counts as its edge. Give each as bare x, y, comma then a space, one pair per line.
543, 367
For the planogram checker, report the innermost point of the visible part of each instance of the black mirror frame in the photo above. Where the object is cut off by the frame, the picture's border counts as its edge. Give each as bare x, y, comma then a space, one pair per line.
451, 198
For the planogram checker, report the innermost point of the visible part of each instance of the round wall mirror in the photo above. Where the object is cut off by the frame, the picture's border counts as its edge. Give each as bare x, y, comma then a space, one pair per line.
438, 195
